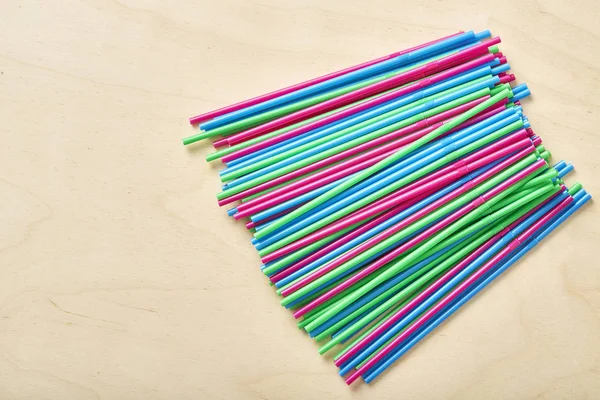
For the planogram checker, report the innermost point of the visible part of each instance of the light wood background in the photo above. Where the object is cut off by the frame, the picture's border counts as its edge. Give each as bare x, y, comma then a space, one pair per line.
120, 278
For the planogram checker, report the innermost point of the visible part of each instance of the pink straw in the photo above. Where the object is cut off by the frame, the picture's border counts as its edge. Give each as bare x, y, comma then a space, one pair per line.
260, 99
418, 239
434, 287
403, 91
346, 238
461, 288
404, 135
442, 177
484, 160
478, 50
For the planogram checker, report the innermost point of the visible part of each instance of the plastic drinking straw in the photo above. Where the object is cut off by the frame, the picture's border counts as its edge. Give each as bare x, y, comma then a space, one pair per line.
539, 235
259, 99
379, 109
391, 180
368, 154
349, 94
427, 297
390, 96
439, 178
469, 212
417, 285
463, 234
395, 139
257, 120
461, 238
410, 106
232, 128
382, 164
302, 282
349, 78
416, 213
261, 177
395, 268
514, 244
347, 366
335, 136
344, 244
261, 149
256, 203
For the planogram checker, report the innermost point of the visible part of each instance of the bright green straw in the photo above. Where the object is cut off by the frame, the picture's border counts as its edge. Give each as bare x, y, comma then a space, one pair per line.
414, 227
287, 109
250, 142
392, 187
350, 144
474, 229
469, 218
347, 131
461, 200
383, 163
540, 194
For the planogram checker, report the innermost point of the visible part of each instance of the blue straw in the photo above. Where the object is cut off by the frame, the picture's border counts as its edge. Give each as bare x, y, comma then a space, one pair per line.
372, 112
383, 179
502, 242
383, 226
342, 80
379, 368
489, 125
366, 129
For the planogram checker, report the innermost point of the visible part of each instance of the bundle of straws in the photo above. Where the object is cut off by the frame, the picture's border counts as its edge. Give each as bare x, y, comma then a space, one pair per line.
384, 196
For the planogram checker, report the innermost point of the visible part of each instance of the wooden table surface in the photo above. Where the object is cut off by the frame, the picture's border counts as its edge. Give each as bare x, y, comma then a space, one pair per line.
120, 278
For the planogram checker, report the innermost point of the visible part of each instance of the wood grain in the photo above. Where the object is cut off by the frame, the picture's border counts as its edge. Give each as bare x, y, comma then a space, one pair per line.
120, 278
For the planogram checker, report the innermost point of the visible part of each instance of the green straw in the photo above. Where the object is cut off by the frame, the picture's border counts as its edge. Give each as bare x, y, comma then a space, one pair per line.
382, 164
287, 109
392, 187
539, 196
450, 206
469, 218
414, 227
348, 131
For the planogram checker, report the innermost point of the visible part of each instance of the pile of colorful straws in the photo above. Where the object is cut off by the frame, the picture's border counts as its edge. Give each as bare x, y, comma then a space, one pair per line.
384, 196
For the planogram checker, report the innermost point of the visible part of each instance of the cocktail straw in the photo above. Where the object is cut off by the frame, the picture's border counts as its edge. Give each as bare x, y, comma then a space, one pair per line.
382, 105
350, 94
505, 251
462, 72
454, 221
427, 297
382, 164
539, 235
389, 182
383, 123
346, 79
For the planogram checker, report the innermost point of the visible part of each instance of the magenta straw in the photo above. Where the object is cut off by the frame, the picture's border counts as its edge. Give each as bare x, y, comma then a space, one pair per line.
478, 50
461, 288
404, 223
442, 177
420, 237
434, 287
396, 138
403, 91
260, 99
346, 238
